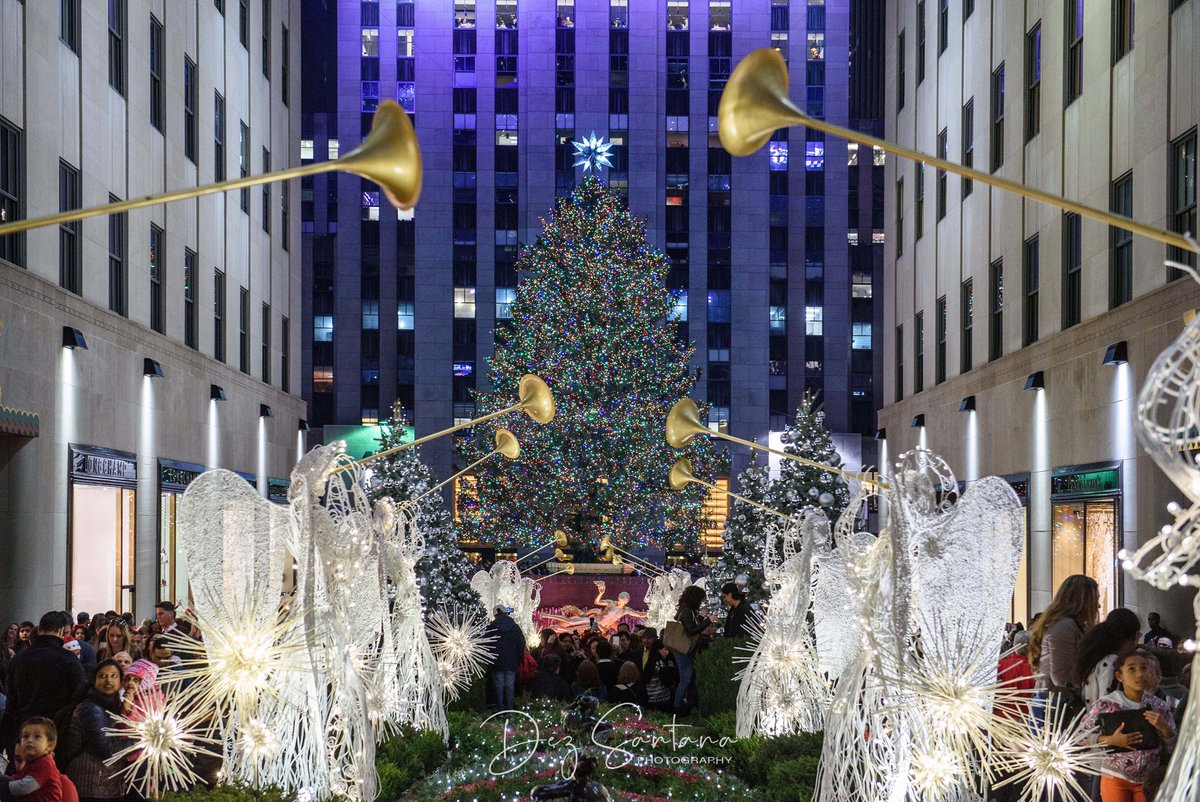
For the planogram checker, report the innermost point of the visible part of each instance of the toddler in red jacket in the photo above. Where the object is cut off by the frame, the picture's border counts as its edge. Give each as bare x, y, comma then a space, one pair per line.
37, 778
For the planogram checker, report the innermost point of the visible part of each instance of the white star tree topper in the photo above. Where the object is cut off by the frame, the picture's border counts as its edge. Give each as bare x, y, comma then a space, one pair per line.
593, 151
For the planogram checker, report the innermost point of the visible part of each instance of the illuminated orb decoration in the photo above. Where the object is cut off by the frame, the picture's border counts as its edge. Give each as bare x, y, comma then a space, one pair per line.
462, 647
164, 738
1046, 757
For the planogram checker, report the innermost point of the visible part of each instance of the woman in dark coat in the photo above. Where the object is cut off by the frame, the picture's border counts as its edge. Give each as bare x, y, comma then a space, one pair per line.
688, 615
87, 745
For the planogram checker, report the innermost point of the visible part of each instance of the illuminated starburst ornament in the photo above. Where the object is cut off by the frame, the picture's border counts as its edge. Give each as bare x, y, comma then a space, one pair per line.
592, 152
936, 773
164, 738
461, 647
1046, 756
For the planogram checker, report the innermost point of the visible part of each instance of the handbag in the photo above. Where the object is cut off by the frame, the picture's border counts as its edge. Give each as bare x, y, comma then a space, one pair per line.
676, 638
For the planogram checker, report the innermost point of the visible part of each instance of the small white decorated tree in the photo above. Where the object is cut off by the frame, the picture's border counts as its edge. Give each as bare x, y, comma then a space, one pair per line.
444, 573
746, 531
800, 485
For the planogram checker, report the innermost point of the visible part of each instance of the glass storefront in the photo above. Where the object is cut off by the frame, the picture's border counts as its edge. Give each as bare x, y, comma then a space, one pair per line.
173, 478
1020, 600
1085, 528
102, 530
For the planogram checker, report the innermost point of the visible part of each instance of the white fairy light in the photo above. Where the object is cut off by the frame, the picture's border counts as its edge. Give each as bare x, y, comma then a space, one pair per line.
164, 738
936, 772
1045, 758
461, 647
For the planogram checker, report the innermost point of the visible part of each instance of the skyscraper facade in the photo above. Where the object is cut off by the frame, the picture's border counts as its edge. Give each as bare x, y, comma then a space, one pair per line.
1018, 334
402, 306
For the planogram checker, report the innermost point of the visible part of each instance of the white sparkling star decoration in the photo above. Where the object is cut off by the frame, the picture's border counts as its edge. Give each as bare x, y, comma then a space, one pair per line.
593, 151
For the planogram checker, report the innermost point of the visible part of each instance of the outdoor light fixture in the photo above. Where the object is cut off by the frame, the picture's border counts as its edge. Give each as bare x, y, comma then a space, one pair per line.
151, 368
918, 421
967, 405
303, 425
1036, 381
881, 434
264, 411
216, 392
73, 338
1117, 354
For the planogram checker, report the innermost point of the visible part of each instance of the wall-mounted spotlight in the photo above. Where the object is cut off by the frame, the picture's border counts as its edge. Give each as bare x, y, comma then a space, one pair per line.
264, 411
1036, 381
303, 425
881, 434
1117, 354
216, 392
918, 421
151, 368
967, 405
73, 338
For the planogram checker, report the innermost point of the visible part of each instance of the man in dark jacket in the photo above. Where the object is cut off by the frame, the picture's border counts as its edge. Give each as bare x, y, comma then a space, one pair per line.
510, 649
735, 619
43, 680
606, 667
546, 683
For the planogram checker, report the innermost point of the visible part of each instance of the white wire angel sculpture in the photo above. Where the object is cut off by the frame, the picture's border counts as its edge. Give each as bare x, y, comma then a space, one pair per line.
503, 586
662, 597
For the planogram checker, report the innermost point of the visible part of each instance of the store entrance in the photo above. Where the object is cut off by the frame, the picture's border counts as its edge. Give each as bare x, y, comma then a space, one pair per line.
1084, 538
102, 548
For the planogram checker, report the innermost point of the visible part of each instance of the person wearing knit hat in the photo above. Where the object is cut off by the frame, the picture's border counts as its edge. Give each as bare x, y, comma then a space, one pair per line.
141, 688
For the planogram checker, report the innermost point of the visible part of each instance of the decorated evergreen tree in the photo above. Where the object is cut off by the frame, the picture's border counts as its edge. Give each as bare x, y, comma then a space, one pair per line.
800, 485
590, 317
746, 530
444, 573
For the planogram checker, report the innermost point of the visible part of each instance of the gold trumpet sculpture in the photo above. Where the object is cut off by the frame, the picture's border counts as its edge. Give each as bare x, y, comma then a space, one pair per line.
560, 540
683, 423
681, 474
606, 545
559, 556
389, 156
506, 445
755, 104
536, 401
570, 569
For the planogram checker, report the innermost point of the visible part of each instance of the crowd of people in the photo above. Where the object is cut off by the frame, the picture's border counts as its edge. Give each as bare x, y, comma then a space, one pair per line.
632, 664
1129, 684
62, 682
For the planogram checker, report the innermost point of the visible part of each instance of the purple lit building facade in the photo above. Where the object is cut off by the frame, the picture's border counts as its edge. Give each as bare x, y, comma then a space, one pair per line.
403, 308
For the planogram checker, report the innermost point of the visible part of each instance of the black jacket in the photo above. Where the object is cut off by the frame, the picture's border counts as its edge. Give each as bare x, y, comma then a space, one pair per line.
43, 680
544, 685
736, 620
510, 643
608, 670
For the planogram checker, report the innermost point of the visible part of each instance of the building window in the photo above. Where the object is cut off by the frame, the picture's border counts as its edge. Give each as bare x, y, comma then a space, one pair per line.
942, 151
285, 348
943, 25
219, 316
157, 99
266, 39
860, 336
244, 162
158, 300
285, 55
405, 316
220, 4
370, 315
68, 24
70, 251
966, 311
285, 214
814, 321
1029, 279
118, 271
900, 71
1072, 291
505, 296
900, 217
1120, 243
464, 302
919, 352
899, 369
1183, 195
996, 309
244, 22
266, 342
266, 192
1074, 55
777, 320
968, 9
323, 328
1122, 27
968, 143
189, 298
919, 200
939, 356
997, 142
920, 41
11, 163
244, 331
189, 109
1033, 82
218, 137
116, 45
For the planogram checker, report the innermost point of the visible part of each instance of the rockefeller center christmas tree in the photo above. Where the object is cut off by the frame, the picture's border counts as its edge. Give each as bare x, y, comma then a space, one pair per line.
590, 317
746, 531
444, 573
800, 485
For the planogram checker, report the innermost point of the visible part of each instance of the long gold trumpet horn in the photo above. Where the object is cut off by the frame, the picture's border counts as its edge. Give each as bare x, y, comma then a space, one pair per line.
536, 401
570, 569
681, 474
506, 445
683, 423
527, 555
606, 545
389, 156
558, 555
755, 104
